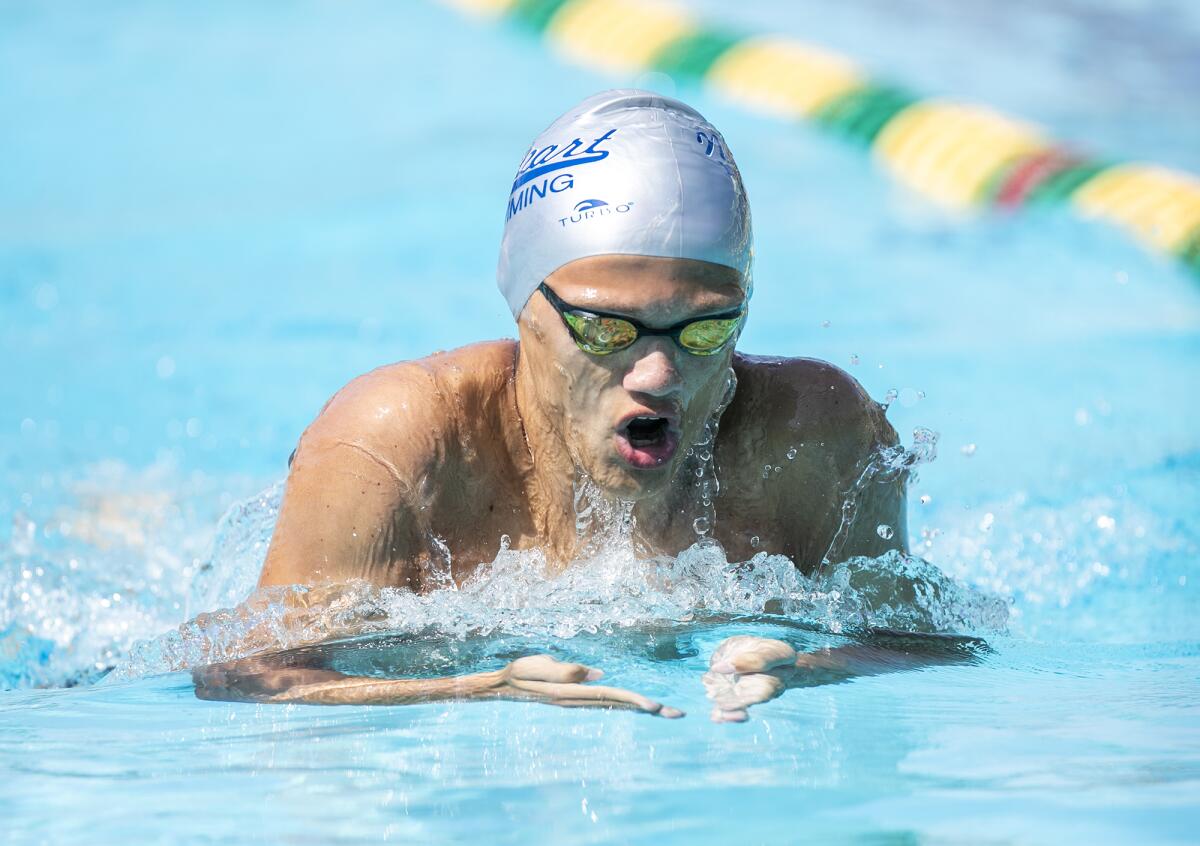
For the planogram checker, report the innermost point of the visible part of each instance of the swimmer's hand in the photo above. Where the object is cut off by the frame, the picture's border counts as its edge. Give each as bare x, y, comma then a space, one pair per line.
744, 671
538, 678
545, 679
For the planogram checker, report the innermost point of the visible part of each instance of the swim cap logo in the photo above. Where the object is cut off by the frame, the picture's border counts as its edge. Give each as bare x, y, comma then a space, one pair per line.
712, 144
539, 162
591, 209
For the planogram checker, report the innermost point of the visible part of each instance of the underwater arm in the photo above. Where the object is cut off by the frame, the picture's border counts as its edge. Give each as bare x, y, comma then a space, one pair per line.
746, 670
538, 678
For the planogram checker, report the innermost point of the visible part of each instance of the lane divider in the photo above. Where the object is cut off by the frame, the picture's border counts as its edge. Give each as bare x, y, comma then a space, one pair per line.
958, 154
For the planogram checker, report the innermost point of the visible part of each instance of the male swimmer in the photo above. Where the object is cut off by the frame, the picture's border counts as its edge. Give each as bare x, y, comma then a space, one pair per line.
626, 261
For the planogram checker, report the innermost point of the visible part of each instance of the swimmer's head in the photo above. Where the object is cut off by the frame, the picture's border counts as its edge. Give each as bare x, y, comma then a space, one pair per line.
629, 205
625, 172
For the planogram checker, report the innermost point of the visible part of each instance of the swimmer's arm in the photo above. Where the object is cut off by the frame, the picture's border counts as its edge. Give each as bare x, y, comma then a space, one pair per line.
352, 505
538, 678
746, 670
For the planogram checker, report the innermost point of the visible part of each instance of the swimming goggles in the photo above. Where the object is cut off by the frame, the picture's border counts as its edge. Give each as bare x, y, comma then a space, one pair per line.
602, 333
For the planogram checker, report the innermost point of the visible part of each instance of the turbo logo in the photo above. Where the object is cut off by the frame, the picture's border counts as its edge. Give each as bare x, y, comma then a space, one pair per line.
540, 161
590, 209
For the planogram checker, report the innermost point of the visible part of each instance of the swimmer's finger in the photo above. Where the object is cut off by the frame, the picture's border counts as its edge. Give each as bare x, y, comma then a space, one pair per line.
757, 688
588, 693
733, 695
664, 711
547, 669
735, 715
720, 689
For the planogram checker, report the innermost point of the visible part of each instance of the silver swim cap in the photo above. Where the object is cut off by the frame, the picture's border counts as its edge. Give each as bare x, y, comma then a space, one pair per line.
624, 171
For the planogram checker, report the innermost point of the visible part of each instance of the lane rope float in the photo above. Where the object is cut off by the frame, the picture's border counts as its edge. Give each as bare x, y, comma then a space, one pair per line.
960, 155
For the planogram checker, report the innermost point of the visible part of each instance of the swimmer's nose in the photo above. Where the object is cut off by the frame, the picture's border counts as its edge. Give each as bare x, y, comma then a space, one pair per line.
653, 372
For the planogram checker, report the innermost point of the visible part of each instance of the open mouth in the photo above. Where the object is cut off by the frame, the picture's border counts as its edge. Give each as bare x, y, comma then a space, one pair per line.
646, 441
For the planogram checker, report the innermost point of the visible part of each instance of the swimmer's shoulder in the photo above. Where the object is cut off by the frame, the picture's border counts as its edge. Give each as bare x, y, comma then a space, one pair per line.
412, 409
794, 401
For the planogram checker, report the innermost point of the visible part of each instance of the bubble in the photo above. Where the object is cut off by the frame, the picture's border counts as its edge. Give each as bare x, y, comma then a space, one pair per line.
890, 396
968, 450
165, 367
926, 499
989, 519
885, 531
854, 358
755, 541
701, 525
825, 324
791, 453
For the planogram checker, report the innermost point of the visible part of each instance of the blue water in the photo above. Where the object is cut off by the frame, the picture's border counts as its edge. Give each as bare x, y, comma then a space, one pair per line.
211, 219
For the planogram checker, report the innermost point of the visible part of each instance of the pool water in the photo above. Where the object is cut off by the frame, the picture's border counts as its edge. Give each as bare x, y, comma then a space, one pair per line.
209, 221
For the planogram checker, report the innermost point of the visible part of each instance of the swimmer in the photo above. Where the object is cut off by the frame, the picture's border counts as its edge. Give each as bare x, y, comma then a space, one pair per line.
626, 261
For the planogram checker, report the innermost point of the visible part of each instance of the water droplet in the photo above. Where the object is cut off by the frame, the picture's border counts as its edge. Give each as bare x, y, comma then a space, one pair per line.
926, 499
825, 324
701, 525
791, 453
968, 450
754, 541
854, 358
890, 396
885, 531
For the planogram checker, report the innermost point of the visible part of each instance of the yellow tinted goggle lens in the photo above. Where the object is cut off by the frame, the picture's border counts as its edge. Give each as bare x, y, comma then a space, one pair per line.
601, 335
705, 337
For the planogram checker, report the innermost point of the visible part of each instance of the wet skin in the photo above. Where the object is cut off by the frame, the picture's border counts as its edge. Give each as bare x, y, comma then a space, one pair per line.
450, 452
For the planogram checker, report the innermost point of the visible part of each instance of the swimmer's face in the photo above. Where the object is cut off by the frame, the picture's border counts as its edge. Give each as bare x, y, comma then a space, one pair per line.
628, 417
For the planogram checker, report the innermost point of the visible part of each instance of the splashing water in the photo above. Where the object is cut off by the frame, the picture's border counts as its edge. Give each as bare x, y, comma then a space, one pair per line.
604, 593
74, 624
884, 466
608, 587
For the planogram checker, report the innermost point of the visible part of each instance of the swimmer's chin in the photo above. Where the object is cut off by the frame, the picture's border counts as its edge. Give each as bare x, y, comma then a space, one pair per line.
621, 479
